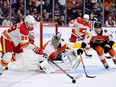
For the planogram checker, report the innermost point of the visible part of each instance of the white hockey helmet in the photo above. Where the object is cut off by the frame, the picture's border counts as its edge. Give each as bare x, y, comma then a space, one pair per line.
86, 16
29, 21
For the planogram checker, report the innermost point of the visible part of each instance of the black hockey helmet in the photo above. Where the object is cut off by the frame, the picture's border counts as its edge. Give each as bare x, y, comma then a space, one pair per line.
97, 24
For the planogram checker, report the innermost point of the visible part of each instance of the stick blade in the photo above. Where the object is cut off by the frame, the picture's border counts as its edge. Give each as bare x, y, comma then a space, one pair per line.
90, 76
78, 76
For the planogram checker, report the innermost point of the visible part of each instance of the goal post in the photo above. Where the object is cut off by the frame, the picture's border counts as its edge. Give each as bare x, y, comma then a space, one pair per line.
45, 27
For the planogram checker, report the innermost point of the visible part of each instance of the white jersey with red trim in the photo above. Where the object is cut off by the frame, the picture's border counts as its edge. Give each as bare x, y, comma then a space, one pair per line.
49, 49
79, 29
18, 34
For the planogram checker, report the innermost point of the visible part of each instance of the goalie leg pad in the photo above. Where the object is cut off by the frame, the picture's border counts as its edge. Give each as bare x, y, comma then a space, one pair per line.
47, 67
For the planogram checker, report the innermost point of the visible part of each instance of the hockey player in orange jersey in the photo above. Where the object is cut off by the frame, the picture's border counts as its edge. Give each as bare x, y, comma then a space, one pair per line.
80, 31
17, 37
102, 42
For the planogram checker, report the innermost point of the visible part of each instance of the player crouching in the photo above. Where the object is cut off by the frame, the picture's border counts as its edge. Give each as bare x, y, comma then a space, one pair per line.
101, 42
14, 39
55, 50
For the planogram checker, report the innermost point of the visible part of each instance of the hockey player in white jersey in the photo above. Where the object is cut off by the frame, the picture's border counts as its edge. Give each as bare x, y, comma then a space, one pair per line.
14, 39
80, 31
101, 41
54, 50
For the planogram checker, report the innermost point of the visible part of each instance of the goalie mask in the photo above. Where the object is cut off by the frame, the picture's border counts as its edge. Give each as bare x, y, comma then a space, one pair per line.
29, 22
56, 41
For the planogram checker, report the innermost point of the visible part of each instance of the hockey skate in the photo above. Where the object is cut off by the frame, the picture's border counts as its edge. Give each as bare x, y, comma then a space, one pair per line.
106, 65
88, 55
1, 71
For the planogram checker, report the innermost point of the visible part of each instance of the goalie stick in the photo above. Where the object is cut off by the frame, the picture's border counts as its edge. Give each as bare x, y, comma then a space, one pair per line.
73, 78
85, 69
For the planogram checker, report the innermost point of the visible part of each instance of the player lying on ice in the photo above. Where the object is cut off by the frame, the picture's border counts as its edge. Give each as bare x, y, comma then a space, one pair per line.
14, 39
101, 41
54, 50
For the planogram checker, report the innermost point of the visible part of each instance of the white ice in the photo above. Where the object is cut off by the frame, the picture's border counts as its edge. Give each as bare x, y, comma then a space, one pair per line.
104, 78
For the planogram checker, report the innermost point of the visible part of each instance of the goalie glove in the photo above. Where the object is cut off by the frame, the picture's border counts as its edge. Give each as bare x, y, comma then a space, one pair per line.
80, 50
38, 50
72, 55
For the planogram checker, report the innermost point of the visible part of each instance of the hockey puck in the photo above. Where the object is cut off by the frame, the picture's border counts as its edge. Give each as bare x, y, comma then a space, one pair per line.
73, 81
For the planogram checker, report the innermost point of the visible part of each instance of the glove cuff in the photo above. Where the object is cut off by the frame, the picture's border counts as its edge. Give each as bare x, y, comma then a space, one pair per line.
35, 49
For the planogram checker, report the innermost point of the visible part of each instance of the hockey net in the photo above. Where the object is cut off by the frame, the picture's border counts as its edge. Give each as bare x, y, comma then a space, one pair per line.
28, 60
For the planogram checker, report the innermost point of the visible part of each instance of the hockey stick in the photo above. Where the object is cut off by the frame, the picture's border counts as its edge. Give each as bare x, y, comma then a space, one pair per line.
73, 78
85, 69
76, 64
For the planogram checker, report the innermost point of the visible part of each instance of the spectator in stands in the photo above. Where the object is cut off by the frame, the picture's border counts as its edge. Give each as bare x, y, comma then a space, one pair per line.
19, 16
6, 21
75, 10
108, 4
110, 22
47, 6
57, 11
99, 5
89, 6
61, 21
96, 12
5, 9
34, 13
47, 17
70, 5
30, 6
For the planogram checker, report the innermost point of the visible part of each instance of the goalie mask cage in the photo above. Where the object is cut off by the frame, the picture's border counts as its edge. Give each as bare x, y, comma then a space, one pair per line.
47, 31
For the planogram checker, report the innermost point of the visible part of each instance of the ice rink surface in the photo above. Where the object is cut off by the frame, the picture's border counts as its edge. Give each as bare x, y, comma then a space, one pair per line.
104, 77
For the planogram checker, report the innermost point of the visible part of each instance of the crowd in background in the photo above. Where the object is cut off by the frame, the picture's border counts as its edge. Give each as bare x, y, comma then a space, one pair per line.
63, 11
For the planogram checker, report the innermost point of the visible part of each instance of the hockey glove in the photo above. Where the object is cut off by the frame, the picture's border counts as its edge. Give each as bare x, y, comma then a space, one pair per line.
111, 43
80, 50
83, 45
107, 47
38, 50
31, 39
